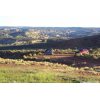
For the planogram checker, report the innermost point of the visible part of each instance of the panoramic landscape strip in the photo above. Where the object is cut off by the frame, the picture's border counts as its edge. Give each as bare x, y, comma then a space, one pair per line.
49, 54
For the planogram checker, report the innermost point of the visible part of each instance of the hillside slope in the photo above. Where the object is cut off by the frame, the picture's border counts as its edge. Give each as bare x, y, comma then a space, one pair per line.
29, 35
90, 41
86, 42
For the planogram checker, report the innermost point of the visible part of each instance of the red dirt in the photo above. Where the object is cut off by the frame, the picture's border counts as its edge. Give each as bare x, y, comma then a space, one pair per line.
70, 59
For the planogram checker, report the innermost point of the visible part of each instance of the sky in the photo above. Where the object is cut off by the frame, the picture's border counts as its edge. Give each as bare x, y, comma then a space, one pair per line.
52, 13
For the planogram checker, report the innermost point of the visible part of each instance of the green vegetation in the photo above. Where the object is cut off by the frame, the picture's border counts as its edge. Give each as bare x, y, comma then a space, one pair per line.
22, 57
94, 54
29, 71
33, 66
31, 74
25, 75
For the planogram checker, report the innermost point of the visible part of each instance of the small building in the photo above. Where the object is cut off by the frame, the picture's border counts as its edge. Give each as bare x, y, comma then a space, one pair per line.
82, 52
48, 52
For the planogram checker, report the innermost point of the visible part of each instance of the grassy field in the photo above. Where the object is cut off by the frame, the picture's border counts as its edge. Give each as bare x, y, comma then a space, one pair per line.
38, 72
46, 69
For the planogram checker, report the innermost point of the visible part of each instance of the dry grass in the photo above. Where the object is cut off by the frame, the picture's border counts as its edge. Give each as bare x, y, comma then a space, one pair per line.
31, 71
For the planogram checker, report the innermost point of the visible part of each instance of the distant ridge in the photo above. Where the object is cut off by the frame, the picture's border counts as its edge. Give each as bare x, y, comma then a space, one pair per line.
85, 42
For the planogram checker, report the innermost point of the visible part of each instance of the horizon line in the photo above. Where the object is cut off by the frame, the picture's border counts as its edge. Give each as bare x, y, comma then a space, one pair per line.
52, 26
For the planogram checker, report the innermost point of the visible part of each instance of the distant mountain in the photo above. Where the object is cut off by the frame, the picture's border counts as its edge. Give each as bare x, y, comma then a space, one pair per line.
85, 42
30, 35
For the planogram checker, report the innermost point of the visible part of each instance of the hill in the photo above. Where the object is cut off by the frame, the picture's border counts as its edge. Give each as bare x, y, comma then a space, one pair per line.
85, 42
29, 35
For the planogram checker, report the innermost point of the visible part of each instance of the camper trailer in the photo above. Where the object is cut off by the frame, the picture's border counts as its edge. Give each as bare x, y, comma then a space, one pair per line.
82, 52
48, 52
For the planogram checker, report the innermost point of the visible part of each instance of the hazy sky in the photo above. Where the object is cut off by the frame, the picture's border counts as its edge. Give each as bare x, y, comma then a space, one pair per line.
83, 13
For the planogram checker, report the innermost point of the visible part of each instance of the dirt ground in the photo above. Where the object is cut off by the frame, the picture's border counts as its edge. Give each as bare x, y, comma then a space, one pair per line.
70, 59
